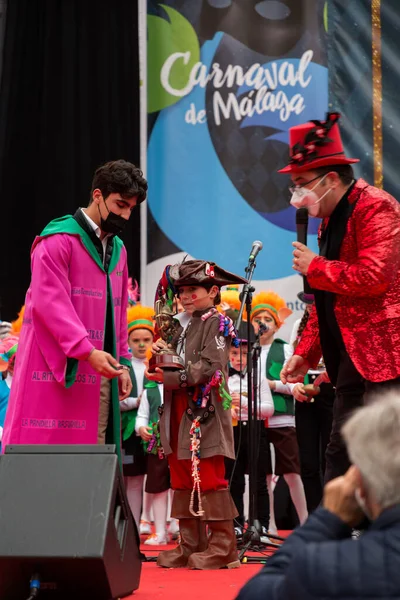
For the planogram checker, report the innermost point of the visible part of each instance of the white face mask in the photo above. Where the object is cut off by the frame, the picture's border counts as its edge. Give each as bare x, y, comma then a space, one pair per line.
305, 198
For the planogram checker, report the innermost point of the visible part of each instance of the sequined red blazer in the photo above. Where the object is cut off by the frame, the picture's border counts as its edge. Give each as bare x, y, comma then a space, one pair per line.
366, 282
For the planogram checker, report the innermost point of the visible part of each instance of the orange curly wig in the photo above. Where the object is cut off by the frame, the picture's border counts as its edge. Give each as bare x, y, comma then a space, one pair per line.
140, 317
272, 303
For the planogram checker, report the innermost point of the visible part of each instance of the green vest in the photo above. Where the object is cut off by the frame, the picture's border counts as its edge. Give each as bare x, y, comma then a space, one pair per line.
128, 418
283, 403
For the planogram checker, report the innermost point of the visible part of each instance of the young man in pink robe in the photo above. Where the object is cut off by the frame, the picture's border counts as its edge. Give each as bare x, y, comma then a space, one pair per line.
73, 362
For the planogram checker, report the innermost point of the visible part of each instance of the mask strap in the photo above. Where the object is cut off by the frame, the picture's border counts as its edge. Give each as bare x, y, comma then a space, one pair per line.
319, 199
318, 182
98, 208
104, 200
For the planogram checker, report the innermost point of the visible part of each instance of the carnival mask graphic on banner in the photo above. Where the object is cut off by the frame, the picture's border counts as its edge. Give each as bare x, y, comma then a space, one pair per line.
226, 81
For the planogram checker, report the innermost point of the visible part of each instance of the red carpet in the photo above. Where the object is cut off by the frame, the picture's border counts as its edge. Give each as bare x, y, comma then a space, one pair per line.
170, 584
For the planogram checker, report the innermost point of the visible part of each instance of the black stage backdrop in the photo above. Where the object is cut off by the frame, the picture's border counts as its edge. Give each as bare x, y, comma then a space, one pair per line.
69, 101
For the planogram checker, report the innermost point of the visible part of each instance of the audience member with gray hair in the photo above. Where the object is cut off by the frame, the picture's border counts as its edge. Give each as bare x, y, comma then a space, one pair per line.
320, 559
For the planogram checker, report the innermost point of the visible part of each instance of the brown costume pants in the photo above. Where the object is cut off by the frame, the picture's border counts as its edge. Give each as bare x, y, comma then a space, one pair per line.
104, 410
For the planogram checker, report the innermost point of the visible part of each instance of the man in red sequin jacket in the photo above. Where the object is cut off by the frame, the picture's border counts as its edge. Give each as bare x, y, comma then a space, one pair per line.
355, 322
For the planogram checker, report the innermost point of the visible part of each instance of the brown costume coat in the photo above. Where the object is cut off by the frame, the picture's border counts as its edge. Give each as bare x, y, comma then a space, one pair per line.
206, 351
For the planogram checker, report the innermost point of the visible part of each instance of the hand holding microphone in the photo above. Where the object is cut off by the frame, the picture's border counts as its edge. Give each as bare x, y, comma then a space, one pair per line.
302, 255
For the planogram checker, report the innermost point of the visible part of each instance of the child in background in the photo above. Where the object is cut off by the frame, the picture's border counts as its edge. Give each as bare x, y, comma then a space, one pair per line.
313, 419
265, 408
157, 480
141, 332
8, 350
270, 310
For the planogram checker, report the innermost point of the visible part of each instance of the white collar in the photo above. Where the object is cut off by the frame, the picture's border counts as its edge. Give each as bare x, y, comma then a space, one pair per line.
138, 361
183, 318
92, 224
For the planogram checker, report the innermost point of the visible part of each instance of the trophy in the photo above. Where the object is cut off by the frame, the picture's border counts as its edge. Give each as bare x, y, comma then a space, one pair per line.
167, 326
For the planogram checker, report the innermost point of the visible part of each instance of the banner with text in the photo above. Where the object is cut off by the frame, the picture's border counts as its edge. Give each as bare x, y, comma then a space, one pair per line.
226, 79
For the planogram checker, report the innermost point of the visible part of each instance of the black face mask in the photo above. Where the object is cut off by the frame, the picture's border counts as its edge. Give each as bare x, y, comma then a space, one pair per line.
114, 224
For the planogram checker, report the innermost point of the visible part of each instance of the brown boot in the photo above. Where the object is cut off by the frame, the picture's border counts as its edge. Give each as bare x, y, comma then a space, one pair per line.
219, 512
192, 531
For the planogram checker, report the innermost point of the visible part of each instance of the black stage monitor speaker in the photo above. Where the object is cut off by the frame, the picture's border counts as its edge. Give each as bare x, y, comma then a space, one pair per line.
64, 516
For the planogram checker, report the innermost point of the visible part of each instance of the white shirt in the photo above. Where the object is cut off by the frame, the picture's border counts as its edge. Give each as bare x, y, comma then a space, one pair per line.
281, 388
265, 405
139, 367
184, 319
143, 415
8, 380
97, 231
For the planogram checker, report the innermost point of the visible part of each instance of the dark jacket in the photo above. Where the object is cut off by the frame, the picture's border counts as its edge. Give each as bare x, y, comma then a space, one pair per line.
321, 561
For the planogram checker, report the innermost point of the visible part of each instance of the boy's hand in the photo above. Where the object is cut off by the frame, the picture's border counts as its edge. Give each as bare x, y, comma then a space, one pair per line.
235, 398
160, 344
300, 393
145, 433
157, 375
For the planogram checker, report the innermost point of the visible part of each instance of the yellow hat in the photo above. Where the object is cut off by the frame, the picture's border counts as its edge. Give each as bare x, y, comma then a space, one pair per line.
140, 317
273, 304
230, 297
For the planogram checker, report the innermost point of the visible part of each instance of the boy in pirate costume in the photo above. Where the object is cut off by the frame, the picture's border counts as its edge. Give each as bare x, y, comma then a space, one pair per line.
271, 310
196, 424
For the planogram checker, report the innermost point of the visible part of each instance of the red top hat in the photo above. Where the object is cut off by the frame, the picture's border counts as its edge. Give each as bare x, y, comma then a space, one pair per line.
316, 144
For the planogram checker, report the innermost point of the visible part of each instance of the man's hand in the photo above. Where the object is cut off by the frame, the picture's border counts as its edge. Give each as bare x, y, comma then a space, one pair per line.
125, 385
104, 363
339, 498
145, 433
272, 385
302, 257
295, 369
157, 376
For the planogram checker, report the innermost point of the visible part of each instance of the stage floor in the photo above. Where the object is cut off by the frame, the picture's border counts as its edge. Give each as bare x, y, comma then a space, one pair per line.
170, 584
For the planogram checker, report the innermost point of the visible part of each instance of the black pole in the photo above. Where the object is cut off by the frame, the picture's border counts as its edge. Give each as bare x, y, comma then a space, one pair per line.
253, 532
252, 394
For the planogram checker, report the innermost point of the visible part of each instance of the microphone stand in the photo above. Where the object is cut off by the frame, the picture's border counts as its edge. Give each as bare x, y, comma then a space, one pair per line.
252, 535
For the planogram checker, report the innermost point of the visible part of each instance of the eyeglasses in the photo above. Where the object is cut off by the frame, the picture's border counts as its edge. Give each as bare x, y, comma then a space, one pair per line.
293, 188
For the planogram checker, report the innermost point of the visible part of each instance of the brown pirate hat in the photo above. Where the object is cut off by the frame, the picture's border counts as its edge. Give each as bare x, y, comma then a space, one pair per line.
203, 273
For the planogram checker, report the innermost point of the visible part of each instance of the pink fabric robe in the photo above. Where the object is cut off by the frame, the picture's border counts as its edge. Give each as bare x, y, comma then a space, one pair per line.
64, 319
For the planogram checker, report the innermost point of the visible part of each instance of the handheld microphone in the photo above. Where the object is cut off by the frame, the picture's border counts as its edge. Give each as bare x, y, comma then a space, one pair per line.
256, 248
301, 228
